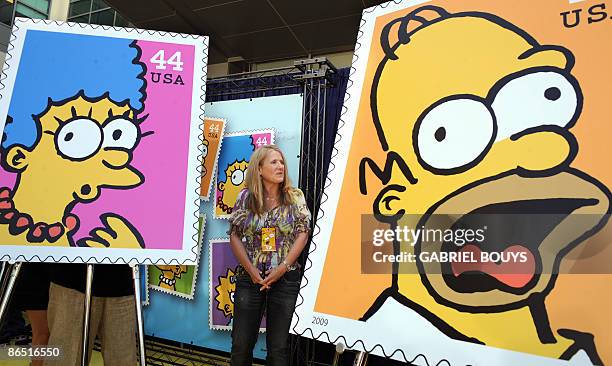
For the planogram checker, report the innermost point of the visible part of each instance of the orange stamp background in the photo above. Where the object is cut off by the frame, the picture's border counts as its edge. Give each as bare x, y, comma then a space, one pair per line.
578, 301
213, 133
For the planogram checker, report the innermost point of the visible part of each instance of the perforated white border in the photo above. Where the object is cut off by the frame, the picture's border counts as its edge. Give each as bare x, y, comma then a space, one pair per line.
144, 285
188, 253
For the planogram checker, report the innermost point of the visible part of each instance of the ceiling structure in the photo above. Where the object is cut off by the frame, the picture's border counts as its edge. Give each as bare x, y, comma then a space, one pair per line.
256, 30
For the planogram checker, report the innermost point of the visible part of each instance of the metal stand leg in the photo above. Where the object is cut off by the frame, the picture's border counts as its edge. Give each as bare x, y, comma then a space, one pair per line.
141, 346
10, 274
87, 315
361, 359
339, 350
4, 268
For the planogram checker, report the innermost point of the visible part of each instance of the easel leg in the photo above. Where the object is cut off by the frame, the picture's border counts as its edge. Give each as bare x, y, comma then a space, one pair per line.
9, 278
339, 350
87, 315
141, 346
5, 268
361, 359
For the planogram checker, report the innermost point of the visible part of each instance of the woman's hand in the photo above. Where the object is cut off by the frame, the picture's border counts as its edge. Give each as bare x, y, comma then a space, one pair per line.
274, 274
256, 278
245, 262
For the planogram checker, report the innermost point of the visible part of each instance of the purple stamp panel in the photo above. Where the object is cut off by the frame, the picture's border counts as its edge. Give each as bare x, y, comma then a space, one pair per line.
223, 266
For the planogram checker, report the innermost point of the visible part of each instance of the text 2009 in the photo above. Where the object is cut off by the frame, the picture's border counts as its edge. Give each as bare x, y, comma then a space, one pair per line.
319, 321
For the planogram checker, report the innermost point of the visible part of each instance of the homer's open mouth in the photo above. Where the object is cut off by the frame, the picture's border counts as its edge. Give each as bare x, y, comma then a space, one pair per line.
527, 224
509, 257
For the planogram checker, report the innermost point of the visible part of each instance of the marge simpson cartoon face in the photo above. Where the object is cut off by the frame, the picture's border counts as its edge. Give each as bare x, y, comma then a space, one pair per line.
475, 116
68, 140
233, 184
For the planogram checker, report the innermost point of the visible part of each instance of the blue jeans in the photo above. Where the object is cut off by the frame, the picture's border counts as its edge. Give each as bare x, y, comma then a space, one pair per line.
249, 306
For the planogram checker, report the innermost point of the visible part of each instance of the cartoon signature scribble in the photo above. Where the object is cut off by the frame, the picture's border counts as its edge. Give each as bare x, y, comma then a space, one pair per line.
475, 117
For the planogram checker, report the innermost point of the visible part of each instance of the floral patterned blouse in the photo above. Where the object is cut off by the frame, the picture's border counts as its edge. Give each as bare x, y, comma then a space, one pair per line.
288, 221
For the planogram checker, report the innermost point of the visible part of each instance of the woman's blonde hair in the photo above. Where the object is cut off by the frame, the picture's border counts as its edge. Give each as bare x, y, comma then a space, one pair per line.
254, 182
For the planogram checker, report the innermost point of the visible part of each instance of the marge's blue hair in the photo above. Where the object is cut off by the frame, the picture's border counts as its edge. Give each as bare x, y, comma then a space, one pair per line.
234, 148
58, 66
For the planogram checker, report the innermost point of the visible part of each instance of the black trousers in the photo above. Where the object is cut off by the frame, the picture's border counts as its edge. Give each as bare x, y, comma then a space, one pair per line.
249, 305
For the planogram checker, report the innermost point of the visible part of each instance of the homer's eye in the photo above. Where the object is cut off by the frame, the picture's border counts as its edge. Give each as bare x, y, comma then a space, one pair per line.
453, 134
237, 177
205, 151
232, 296
540, 98
78, 139
120, 133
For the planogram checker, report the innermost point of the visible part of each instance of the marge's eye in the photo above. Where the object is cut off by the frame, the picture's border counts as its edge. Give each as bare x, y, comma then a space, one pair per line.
78, 139
237, 177
120, 133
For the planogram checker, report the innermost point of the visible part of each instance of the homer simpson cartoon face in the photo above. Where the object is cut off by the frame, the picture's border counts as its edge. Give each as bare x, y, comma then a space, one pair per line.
86, 144
234, 184
477, 116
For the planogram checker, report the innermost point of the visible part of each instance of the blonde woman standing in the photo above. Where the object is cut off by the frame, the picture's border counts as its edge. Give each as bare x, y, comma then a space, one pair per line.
269, 228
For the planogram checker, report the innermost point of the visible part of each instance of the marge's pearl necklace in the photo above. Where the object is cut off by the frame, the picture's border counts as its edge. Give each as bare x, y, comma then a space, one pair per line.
167, 281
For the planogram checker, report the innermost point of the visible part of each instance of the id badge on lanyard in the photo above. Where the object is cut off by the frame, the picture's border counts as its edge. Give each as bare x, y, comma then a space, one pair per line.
268, 239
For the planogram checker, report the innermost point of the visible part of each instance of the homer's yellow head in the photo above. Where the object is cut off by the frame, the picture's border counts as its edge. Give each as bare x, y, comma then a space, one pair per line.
234, 183
83, 145
477, 116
